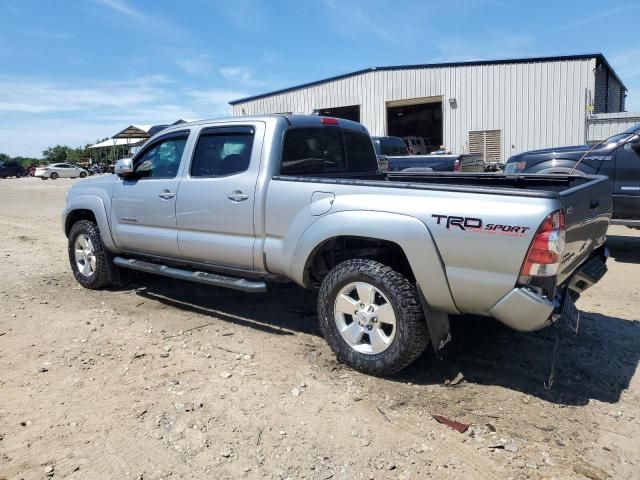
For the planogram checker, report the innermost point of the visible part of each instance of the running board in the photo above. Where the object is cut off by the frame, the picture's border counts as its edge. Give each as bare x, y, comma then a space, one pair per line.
206, 278
626, 223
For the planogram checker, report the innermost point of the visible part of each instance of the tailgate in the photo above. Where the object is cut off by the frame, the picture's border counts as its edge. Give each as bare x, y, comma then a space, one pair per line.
587, 208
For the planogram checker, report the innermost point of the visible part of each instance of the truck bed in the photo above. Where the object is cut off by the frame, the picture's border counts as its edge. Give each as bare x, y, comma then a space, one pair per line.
586, 200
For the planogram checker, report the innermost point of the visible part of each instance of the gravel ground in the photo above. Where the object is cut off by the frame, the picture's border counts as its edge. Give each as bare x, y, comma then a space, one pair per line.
162, 379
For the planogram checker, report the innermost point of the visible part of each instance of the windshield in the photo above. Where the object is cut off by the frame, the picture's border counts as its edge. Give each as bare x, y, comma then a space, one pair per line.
621, 136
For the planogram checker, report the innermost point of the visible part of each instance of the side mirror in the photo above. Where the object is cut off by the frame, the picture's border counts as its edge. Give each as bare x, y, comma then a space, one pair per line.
124, 167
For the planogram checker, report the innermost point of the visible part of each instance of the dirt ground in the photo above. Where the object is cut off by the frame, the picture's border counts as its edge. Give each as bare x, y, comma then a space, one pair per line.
163, 379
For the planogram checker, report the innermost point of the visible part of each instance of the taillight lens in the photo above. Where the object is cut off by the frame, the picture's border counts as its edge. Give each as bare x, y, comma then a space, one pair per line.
329, 121
545, 253
457, 166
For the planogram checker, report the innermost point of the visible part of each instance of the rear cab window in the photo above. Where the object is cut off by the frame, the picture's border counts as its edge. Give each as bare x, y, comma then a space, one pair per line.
222, 151
327, 150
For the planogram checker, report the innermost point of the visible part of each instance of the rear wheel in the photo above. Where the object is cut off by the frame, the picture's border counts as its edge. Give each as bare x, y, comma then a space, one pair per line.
86, 255
54, 176
371, 317
18, 175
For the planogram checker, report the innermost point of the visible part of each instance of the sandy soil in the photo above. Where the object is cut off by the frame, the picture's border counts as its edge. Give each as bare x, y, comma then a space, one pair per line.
163, 379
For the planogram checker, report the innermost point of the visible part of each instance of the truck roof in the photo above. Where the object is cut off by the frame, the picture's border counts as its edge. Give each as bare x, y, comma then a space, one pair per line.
292, 120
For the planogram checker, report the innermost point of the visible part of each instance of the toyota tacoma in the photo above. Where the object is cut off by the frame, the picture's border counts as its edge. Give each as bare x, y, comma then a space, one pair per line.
240, 202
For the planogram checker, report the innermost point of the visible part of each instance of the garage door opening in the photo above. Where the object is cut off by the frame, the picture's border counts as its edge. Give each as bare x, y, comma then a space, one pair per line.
351, 112
416, 118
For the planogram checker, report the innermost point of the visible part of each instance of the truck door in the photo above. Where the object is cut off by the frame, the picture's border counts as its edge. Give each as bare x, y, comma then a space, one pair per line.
215, 208
143, 207
626, 186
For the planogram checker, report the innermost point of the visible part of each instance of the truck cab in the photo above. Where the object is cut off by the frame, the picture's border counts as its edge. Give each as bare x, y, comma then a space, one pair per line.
617, 157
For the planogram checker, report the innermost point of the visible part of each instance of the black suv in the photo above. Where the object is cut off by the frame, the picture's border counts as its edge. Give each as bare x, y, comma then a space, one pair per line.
11, 169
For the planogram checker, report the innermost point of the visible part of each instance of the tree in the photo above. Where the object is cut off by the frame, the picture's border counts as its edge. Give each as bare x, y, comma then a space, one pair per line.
57, 154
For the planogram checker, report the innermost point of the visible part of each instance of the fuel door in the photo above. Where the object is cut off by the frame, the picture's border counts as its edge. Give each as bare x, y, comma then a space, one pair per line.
321, 203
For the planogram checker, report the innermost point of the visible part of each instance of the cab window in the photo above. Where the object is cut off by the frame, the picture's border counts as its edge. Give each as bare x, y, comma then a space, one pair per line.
162, 159
222, 151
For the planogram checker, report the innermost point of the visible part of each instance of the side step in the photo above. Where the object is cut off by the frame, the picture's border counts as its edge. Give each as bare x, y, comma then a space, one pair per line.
625, 222
206, 278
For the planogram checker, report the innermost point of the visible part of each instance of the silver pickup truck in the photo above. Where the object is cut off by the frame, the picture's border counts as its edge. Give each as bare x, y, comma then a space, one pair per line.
238, 202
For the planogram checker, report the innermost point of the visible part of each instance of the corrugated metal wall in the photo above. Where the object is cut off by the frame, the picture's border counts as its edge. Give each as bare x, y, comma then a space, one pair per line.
602, 125
536, 105
609, 92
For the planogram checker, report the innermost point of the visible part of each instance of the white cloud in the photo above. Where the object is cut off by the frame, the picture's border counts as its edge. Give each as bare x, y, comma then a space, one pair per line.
242, 75
121, 7
494, 44
214, 102
152, 24
26, 95
35, 114
354, 21
197, 65
599, 16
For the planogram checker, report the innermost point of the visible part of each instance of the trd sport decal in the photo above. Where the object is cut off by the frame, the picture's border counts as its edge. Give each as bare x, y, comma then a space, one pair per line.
471, 224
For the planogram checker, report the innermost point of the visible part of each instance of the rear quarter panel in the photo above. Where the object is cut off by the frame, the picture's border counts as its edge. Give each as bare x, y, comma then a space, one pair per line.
480, 266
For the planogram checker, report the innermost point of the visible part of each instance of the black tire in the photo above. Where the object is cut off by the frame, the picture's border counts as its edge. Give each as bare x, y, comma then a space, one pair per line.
18, 175
411, 336
53, 176
100, 277
83, 174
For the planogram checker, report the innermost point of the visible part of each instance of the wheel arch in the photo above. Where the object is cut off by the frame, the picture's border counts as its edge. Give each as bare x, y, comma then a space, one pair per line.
406, 236
88, 207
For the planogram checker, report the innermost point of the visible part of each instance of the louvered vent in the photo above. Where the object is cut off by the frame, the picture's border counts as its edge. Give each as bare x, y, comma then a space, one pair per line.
487, 143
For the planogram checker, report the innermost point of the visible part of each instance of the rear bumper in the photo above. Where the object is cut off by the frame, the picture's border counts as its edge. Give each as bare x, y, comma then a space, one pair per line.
526, 310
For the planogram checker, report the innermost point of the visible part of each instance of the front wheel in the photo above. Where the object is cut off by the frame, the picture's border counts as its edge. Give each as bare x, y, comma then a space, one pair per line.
86, 255
83, 174
371, 317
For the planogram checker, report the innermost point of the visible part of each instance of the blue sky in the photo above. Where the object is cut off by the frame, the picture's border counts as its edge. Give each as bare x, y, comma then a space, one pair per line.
75, 71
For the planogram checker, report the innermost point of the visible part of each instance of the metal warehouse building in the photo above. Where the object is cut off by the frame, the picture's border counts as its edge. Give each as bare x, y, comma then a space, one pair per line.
495, 108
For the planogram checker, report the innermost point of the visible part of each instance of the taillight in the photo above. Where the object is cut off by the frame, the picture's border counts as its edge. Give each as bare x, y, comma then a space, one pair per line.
545, 253
457, 165
329, 121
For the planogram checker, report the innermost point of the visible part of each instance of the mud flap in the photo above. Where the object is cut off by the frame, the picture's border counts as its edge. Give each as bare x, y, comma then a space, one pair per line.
438, 325
116, 275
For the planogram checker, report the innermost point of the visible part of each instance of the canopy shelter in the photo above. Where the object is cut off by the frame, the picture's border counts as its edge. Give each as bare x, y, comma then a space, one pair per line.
121, 144
134, 131
112, 149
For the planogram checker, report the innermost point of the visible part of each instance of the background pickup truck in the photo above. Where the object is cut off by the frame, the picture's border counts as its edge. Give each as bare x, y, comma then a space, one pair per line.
238, 202
617, 157
432, 162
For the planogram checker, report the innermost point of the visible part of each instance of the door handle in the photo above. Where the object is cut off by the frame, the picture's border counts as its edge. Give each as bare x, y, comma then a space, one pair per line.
237, 196
166, 195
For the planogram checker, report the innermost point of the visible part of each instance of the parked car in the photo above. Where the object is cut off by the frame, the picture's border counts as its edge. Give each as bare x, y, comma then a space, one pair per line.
617, 157
239, 202
11, 169
60, 170
419, 145
433, 163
